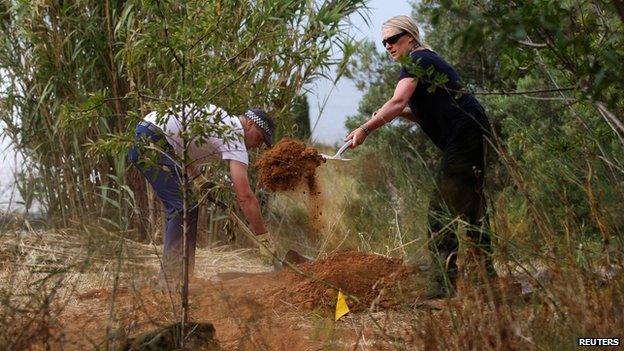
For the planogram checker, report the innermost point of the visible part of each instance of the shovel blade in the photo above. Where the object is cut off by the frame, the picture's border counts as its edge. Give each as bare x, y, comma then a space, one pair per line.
338, 155
334, 158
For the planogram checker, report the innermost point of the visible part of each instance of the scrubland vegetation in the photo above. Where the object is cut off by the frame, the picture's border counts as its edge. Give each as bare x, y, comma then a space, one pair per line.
76, 77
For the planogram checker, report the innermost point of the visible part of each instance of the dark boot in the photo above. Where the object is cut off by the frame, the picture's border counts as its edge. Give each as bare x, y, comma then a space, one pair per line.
443, 275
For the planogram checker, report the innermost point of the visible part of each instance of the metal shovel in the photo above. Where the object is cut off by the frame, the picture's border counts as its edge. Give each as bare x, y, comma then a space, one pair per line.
338, 155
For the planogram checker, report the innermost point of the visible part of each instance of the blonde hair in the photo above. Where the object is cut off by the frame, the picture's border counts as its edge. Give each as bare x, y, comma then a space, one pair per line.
407, 24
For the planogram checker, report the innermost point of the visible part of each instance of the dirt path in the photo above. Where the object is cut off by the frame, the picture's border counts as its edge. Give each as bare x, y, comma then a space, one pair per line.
250, 311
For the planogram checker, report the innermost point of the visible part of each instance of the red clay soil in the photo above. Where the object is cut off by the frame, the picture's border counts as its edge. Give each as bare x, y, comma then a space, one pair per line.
286, 165
250, 312
315, 211
291, 164
362, 275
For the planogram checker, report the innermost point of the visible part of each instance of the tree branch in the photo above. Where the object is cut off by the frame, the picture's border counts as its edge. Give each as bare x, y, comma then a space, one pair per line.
616, 125
525, 92
531, 44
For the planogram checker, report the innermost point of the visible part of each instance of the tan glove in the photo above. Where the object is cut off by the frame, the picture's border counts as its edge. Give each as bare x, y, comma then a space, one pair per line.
266, 247
202, 184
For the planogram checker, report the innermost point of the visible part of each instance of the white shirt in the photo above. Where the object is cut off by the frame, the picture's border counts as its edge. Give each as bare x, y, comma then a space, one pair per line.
225, 139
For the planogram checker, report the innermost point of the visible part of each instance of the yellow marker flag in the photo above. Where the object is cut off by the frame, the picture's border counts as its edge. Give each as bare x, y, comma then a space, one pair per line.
341, 306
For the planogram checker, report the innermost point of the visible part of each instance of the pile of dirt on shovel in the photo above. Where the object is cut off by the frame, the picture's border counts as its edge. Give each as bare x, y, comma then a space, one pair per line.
369, 277
288, 164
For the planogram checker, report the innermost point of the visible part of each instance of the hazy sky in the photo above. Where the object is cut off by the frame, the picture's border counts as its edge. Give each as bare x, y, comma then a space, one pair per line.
344, 97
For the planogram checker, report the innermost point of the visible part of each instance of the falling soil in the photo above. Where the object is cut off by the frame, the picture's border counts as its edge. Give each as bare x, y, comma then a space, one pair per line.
289, 165
286, 165
368, 277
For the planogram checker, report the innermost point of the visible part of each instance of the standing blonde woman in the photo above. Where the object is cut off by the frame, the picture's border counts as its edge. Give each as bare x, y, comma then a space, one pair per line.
456, 123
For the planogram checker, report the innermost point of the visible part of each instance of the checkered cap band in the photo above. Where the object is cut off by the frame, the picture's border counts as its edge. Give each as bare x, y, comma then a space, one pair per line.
260, 122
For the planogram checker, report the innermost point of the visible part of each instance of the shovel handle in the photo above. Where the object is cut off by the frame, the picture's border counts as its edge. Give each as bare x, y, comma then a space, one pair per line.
344, 147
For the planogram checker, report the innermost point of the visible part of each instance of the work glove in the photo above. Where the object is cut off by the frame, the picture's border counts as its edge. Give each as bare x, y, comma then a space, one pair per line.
202, 184
266, 247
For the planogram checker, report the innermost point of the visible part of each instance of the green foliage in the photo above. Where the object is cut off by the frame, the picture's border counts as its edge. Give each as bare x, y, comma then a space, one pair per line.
540, 69
547, 154
580, 39
301, 118
552, 140
76, 76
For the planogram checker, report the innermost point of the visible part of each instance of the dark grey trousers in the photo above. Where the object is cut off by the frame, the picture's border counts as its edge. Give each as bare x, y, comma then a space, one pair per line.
459, 195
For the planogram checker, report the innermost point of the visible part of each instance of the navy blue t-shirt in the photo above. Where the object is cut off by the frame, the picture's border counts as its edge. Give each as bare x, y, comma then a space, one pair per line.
444, 109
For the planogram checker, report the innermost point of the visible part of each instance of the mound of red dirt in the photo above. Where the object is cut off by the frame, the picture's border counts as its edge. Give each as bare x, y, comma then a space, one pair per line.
248, 310
288, 164
368, 277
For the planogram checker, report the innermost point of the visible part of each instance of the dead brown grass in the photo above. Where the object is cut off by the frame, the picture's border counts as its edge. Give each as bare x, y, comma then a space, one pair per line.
54, 286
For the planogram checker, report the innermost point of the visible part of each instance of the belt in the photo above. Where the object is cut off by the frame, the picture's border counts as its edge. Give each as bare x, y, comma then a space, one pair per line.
152, 127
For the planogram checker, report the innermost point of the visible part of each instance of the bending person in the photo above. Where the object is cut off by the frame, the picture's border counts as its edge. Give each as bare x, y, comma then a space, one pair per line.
230, 141
456, 123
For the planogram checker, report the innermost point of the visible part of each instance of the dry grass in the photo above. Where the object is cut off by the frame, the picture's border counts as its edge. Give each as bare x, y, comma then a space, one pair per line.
45, 274
327, 233
544, 300
548, 294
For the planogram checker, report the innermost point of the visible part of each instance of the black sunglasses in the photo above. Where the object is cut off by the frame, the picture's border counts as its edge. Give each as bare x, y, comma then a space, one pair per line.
393, 39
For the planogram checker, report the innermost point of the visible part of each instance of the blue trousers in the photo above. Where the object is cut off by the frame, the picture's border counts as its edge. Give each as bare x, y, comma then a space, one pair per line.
165, 177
